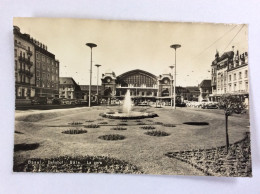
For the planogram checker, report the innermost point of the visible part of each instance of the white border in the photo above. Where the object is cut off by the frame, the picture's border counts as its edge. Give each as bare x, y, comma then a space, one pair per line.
221, 11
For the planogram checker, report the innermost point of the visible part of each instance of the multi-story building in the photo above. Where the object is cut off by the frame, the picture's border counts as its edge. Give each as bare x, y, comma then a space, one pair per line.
24, 55
36, 69
230, 75
69, 89
47, 72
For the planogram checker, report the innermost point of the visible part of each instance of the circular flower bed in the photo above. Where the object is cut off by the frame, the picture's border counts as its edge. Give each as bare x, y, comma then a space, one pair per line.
75, 123
169, 125
158, 123
196, 123
75, 131
112, 137
126, 116
147, 127
157, 133
118, 128
92, 126
80, 164
103, 123
25, 147
89, 121
141, 123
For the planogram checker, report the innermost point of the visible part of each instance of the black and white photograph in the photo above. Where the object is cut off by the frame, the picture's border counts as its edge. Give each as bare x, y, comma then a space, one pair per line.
131, 97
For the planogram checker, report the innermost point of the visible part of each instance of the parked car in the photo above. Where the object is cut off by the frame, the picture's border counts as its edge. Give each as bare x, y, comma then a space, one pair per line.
56, 101
39, 100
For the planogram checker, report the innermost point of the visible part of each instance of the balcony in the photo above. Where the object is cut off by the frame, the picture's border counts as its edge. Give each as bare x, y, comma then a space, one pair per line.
26, 61
26, 72
29, 53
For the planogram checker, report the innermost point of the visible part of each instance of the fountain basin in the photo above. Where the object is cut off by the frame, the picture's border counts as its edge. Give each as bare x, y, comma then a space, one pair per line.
131, 115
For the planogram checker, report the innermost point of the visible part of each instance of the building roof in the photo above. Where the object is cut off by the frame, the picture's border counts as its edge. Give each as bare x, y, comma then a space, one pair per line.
226, 55
205, 83
136, 71
68, 81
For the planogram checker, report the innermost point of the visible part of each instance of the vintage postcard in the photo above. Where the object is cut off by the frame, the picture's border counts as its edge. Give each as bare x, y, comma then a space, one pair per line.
131, 97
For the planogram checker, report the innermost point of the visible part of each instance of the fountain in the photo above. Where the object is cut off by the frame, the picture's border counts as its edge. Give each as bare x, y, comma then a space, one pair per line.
127, 113
127, 106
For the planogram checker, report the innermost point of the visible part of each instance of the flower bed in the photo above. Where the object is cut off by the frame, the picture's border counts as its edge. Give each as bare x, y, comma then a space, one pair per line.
92, 126
119, 128
80, 164
216, 162
112, 137
103, 123
75, 123
18, 132
158, 123
89, 121
196, 123
75, 131
141, 123
169, 125
157, 133
147, 127
25, 147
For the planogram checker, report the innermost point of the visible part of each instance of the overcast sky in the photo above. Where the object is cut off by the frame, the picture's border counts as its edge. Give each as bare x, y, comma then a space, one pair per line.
128, 45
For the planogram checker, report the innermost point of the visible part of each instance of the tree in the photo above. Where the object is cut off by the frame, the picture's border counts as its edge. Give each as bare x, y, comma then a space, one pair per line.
231, 104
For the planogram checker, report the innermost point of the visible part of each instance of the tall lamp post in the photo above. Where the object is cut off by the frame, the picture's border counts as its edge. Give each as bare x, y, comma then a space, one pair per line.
91, 45
97, 65
175, 46
172, 66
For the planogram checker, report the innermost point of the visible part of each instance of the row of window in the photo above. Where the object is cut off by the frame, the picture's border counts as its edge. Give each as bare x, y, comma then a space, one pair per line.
239, 75
235, 87
45, 59
47, 67
48, 76
46, 85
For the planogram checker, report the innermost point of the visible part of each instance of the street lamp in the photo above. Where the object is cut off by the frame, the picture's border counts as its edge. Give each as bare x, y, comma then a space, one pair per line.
91, 45
175, 46
172, 66
97, 65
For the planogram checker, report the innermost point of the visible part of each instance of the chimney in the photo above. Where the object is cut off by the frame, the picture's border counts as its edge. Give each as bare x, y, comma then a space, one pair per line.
233, 48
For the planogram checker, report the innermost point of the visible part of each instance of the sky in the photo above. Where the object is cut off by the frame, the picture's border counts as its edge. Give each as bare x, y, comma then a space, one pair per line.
126, 45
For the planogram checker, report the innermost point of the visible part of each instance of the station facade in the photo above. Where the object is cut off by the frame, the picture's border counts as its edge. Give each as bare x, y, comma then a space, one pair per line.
142, 85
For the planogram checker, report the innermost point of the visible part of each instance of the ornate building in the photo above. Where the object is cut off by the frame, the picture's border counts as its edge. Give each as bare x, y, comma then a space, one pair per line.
36, 69
142, 85
229, 75
24, 58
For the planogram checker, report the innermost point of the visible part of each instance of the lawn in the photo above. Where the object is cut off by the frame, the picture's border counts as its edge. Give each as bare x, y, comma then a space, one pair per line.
134, 148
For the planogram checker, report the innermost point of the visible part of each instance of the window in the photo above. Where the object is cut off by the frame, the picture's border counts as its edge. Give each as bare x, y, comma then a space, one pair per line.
15, 64
37, 84
37, 74
48, 60
245, 73
37, 55
229, 77
15, 52
235, 76
15, 42
240, 75
43, 75
48, 75
235, 87
21, 53
246, 86
43, 58
43, 66
38, 64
